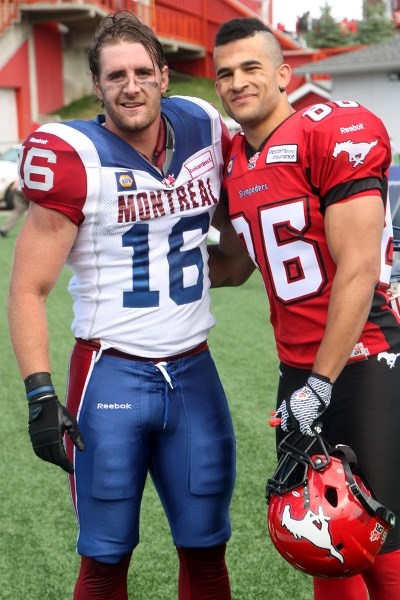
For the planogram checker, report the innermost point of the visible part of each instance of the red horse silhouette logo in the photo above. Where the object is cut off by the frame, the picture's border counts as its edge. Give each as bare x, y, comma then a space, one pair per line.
356, 151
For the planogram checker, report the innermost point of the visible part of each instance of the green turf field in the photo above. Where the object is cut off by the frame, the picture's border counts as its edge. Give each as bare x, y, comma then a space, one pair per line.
37, 526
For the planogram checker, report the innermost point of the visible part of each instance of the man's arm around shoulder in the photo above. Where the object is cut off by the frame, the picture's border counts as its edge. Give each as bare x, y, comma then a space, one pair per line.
229, 261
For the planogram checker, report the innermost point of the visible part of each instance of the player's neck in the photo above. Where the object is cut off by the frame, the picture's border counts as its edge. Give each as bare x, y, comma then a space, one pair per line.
256, 134
144, 141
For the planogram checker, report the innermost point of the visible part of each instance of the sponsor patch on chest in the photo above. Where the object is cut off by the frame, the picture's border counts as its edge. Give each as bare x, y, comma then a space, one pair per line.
125, 181
200, 165
286, 153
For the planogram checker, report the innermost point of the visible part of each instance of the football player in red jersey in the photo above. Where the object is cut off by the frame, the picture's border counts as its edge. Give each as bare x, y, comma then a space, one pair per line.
307, 197
126, 201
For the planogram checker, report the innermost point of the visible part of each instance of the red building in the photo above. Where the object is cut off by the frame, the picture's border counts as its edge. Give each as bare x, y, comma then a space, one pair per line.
43, 46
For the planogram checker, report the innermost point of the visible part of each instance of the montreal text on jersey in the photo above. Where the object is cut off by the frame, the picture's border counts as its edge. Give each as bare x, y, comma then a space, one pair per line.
144, 205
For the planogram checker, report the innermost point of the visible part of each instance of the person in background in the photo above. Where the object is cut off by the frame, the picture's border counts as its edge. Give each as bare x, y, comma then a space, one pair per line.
19, 210
126, 202
307, 196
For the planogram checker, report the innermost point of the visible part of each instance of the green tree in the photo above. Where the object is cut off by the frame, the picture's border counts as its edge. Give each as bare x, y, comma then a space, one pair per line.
376, 26
326, 32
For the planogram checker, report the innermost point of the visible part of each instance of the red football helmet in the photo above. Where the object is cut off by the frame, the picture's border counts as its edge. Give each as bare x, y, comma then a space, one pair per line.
321, 517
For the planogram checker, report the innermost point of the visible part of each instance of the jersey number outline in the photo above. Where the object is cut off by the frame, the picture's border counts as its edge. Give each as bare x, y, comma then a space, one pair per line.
137, 237
293, 261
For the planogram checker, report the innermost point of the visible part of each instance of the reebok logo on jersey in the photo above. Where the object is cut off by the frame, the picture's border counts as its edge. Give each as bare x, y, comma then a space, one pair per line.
286, 153
125, 181
200, 165
114, 406
38, 141
352, 128
357, 151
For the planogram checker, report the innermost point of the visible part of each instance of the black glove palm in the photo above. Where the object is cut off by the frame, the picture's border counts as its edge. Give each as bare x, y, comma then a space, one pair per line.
48, 421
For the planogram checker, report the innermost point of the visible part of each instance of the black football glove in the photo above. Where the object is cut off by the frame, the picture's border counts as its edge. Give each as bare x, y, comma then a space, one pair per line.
306, 405
48, 421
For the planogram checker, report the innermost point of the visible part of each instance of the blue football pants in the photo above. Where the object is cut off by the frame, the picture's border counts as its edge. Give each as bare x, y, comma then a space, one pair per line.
170, 420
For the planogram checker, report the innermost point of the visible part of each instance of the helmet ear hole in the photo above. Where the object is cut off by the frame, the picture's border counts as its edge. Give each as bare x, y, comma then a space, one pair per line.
331, 496
341, 450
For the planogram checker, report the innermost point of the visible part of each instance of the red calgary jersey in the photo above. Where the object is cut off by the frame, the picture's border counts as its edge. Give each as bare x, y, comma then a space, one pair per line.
277, 200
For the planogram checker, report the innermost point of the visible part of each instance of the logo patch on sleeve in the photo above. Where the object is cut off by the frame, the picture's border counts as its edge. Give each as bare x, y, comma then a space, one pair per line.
287, 153
125, 181
356, 151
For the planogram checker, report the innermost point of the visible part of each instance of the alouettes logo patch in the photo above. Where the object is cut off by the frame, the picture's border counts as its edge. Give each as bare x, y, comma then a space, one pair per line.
357, 151
313, 527
125, 181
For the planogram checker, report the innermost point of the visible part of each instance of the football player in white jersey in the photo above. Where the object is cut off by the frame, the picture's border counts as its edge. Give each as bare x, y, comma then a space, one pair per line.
307, 194
126, 202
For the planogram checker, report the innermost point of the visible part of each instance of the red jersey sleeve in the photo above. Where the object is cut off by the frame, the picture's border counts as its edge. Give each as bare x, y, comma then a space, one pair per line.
53, 174
348, 150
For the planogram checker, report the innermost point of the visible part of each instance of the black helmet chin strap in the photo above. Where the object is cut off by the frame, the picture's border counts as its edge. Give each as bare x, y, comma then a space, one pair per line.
371, 504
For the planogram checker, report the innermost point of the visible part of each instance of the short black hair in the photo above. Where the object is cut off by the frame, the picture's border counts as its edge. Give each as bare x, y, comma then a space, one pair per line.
238, 29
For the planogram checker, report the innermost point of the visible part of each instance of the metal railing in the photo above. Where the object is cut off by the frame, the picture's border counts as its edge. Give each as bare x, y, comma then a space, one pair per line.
179, 20
8, 13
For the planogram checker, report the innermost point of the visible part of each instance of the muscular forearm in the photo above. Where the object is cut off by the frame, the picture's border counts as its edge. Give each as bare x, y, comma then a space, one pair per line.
40, 253
348, 311
28, 332
354, 234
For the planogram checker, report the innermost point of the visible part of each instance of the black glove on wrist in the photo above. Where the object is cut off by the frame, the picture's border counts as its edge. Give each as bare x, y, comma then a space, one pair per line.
48, 421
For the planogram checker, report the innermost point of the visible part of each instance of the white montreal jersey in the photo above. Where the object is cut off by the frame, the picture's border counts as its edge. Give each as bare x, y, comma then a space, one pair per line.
140, 274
